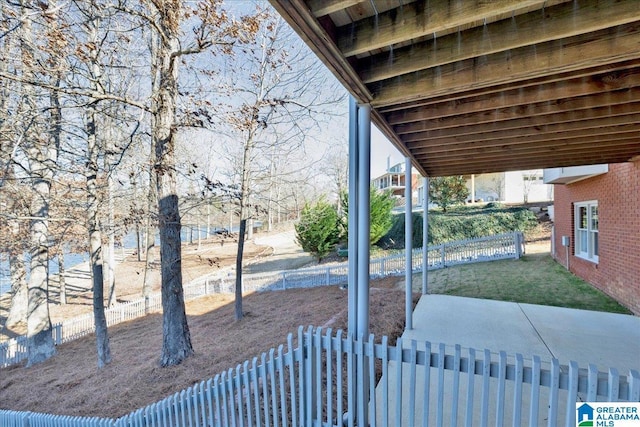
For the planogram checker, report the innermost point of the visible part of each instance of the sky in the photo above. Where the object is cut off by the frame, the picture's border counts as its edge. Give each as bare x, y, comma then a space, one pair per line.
381, 149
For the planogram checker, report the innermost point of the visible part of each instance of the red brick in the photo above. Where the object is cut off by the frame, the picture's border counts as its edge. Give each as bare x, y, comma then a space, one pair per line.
618, 194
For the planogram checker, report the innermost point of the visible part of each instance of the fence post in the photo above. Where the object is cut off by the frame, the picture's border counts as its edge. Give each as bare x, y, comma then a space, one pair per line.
517, 241
382, 262
442, 254
284, 280
328, 276
58, 333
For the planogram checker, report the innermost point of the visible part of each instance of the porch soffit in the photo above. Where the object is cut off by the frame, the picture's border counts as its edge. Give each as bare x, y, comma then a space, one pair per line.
477, 86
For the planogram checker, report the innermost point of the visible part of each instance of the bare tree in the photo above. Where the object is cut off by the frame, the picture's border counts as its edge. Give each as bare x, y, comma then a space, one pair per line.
41, 149
211, 27
280, 96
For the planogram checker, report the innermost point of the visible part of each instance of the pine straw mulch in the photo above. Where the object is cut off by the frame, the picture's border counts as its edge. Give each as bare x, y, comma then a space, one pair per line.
71, 384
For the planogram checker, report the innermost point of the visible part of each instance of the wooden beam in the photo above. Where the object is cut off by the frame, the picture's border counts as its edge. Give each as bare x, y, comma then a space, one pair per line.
619, 101
536, 157
568, 122
625, 142
320, 8
420, 19
548, 92
542, 142
558, 22
537, 163
501, 139
507, 164
552, 58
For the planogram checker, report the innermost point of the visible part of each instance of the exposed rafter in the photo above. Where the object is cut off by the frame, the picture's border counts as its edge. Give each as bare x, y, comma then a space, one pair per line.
420, 19
559, 22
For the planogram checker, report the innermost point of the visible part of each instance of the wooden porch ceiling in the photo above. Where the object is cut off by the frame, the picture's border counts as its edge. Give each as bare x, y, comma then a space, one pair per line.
476, 86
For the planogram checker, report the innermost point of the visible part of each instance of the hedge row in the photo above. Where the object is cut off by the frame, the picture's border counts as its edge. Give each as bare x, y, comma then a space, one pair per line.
461, 223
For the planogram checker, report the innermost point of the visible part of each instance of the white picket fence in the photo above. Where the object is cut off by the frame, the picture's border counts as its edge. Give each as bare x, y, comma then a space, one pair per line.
481, 249
328, 379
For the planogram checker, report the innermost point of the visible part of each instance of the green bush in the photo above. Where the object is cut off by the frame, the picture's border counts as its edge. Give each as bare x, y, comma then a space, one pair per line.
381, 203
461, 223
318, 230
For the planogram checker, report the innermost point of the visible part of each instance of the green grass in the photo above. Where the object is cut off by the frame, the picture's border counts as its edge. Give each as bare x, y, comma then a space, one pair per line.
533, 279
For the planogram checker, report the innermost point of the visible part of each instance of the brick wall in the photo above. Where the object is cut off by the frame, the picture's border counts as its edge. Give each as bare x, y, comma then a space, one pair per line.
617, 272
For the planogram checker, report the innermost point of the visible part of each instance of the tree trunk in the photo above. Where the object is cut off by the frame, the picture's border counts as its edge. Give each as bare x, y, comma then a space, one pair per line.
176, 343
42, 155
150, 243
19, 297
95, 236
62, 283
95, 247
139, 242
238, 293
111, 243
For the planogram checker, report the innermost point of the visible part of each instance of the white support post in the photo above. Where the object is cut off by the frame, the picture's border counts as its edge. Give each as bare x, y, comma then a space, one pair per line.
364, 217
425, 235
352, 278
408, 245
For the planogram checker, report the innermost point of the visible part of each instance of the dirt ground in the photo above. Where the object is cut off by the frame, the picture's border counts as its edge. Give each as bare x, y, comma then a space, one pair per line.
70, 383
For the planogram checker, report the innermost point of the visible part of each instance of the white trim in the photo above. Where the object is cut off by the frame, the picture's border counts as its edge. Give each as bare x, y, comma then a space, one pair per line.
586, 236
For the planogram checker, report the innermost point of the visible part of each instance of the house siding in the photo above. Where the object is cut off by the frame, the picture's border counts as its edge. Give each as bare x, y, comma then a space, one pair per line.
617, 192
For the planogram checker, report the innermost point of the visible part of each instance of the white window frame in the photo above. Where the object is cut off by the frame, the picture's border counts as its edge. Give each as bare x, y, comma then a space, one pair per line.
586, 235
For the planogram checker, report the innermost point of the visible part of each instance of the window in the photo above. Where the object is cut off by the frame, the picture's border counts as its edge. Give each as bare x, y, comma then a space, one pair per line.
586, 230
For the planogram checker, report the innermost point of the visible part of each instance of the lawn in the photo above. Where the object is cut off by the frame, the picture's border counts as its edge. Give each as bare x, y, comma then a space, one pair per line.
534, 279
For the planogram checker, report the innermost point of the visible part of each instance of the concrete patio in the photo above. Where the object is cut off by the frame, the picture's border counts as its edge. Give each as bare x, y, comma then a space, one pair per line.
605, 339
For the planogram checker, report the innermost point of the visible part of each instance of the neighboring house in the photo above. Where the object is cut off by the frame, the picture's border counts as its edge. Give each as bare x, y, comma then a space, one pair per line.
596, 215
509, 187
393, 180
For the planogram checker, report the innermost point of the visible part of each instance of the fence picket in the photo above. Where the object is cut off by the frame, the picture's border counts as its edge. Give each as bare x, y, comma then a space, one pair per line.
412, 381
398, 355
256, 390
633, 380
486, 375
339, 409
372, 382
317, 372
301, 378
592, 380
614, 385
553, 392
240, 414
455, 385
292, 376
535, 391
517, 390
329, 375
427, 383
470, 387
248, 387
283, 399
502, 374
274, 392
265, 389
350, 383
